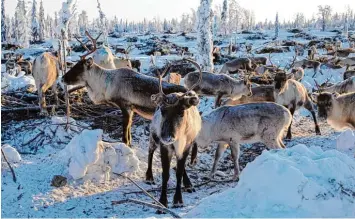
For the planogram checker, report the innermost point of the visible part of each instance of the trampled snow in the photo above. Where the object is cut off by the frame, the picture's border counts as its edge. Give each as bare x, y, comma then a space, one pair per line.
297, 182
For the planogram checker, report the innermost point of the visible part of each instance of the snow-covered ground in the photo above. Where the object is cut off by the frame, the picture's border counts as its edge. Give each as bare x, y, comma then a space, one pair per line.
313, 177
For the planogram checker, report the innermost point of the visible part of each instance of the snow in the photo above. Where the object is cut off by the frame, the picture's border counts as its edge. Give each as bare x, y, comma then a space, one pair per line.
297, 182
11, 154
92, 159
11, 83
346, 140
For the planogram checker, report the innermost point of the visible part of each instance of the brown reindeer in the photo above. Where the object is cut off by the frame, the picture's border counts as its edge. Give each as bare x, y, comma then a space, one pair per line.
123, 88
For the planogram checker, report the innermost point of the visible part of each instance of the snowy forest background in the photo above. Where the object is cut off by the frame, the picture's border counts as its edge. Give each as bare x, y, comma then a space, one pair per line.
31, 24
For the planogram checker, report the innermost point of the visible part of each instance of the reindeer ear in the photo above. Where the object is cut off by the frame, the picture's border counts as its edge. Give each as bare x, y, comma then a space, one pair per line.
157, 99
335, 94
314, 97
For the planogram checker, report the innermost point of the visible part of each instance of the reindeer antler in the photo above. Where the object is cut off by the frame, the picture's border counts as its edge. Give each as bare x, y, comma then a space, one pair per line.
93, 43
161, 92
292, 63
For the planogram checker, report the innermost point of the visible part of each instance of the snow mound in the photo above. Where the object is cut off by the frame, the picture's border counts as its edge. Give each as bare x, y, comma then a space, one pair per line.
11, 83
295, 182
92, 159
11, 154
346, 140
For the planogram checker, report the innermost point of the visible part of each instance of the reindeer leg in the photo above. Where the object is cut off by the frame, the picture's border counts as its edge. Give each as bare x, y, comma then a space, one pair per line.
194, 154
55, 92
292, 111
166, 153
220, 150
308, 105
235, 149
178, 202
42, 100
218, 100
153, 143
126, 125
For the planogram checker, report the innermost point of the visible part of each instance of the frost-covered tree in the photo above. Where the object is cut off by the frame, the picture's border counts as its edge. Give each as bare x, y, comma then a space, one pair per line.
3, 23
9, 29
21, 25
224, 17
324, 11
193, 20
42, 27
277, 26
234, 15
103, 23
215, 26
346, 26
83, 22
34, 22
299, 20
204, 33
65, 15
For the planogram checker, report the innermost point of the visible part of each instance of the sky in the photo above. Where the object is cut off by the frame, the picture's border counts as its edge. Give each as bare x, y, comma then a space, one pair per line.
137, 10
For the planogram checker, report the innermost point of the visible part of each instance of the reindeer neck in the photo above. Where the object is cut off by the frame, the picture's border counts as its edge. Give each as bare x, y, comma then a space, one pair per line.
97, 76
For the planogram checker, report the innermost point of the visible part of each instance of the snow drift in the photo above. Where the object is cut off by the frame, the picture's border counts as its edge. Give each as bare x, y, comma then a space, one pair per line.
10, 83
295, 182
11, 154
92, 159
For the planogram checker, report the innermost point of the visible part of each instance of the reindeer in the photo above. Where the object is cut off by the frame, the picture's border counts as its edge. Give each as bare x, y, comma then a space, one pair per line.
338, 45
312, 52
25, 65
337, 109
219, 85
11, 65
136, 64
104, 57
45, 72
346, 62
263, 93
346, 86
234, 65
293, 95
298, 74
246, 123
309, 64
123, 88
175, 125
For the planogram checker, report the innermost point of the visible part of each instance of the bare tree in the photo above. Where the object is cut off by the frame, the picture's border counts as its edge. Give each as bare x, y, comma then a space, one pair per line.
277, 26
324, 11
3, 23
224, 17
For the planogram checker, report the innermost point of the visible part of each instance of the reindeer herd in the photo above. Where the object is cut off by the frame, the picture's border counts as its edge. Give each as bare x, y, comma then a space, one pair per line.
245, 111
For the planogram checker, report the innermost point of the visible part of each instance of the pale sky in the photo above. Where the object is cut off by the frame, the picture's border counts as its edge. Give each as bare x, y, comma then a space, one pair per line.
139, 9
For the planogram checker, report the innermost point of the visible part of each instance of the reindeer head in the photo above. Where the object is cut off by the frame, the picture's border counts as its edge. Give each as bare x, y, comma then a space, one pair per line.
280, 81
324, 102
172, 110
76, 75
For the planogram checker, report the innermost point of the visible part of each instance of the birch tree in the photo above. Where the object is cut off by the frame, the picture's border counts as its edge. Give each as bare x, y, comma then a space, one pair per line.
204, 35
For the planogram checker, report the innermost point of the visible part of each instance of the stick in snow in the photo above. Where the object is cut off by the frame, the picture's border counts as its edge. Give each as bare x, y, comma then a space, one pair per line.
12, 170
163, 209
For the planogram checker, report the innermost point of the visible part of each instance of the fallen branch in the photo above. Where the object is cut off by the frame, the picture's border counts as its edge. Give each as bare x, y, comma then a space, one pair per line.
75, 89
163, 209
12, 170
143, 190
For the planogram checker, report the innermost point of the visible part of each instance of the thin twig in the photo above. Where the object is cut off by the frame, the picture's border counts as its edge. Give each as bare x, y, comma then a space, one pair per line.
12, 170
143, 190
163, 209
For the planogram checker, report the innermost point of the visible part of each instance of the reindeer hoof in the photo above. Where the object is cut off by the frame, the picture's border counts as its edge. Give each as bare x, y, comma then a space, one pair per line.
190, 189
160, 212
149, 181
236, 178
178, 205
